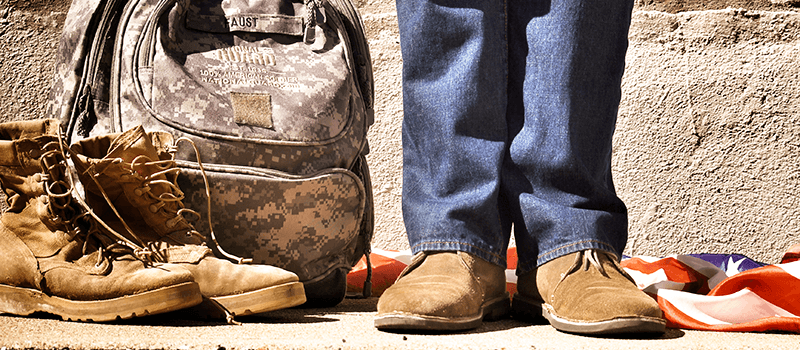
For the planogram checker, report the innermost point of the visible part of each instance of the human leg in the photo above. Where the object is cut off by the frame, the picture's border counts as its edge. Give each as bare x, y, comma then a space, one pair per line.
559, 162
570, 221
454, 132
454, 136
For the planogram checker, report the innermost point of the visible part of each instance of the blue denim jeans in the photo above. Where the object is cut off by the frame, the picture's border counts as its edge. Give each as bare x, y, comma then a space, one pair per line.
510, 108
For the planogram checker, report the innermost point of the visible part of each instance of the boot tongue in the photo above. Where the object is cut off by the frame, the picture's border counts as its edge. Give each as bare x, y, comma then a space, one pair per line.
137, 143
131, 144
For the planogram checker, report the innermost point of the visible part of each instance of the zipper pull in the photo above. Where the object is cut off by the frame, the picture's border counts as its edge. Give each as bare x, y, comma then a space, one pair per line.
310, 33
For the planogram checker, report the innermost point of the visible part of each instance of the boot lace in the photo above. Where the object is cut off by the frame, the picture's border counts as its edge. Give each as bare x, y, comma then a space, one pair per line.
68, 209
60, 208
591, 258
173, 149
164, 174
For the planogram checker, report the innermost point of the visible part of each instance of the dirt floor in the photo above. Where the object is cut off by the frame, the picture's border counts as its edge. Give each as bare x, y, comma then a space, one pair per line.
674, 6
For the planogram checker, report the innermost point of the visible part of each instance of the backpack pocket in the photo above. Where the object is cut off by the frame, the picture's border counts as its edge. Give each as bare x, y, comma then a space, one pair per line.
245, 71
309, 225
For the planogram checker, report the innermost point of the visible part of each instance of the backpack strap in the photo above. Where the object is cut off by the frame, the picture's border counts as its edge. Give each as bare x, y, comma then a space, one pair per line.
358, 44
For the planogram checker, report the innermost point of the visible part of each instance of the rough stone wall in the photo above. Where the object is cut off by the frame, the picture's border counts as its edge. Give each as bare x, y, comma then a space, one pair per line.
29, 32
707, 149
385, 159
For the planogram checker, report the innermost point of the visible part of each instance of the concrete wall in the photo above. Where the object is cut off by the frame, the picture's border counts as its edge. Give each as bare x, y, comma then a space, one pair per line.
29, 32
707, 150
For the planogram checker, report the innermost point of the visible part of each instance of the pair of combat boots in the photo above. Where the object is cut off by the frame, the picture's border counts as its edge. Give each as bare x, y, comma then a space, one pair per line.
123, 247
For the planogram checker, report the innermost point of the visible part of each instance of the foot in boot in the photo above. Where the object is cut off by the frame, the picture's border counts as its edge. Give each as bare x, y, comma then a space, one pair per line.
444, 291
587, 292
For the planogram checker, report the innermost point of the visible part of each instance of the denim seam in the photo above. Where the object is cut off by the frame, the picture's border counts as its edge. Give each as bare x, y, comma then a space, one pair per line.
611, 248
501, 258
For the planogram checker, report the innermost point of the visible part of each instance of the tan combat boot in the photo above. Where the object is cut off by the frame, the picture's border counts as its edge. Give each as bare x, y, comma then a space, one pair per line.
130, 181
54, 257
444, 291
587, 292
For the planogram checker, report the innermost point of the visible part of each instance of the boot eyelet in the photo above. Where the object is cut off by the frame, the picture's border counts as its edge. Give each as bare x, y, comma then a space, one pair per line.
153, 208
171, 223
138, 192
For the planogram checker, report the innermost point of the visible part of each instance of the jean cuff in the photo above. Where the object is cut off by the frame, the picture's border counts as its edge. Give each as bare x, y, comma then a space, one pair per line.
439, 246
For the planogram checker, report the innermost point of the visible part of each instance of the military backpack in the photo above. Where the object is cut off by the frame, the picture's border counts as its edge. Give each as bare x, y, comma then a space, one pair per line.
277, 95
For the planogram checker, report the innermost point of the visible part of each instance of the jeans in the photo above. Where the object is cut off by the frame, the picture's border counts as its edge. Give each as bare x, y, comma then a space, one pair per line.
509, 113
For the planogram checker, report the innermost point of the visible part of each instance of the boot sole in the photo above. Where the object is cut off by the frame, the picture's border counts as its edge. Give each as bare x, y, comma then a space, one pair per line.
263, 300
25, 301
532, 310
491, 311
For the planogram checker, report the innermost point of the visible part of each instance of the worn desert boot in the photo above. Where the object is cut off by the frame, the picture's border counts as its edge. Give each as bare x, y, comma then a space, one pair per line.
55, 258
587, 293
444, 291
130, 181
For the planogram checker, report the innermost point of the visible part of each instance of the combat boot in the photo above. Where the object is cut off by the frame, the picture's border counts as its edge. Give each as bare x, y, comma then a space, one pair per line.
130, 181
55, 257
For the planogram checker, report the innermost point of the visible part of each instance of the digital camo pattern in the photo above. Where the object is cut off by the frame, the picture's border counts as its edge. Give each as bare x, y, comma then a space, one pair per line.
301, 159
309, 89
204, 69
184, 78
306, 225
83, 63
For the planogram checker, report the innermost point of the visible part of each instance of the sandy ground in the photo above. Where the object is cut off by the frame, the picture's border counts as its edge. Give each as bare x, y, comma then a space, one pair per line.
347, 326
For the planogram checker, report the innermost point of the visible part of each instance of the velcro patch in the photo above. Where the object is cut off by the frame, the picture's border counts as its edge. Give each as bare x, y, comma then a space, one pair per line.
254, 109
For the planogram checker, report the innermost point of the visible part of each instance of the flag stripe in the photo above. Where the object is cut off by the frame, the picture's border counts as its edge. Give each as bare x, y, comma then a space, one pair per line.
713, 292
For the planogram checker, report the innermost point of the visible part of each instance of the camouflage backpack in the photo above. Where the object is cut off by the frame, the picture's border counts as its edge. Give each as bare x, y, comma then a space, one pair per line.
276, 94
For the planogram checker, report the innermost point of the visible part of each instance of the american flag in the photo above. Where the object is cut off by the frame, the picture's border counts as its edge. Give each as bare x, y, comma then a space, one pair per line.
712, 292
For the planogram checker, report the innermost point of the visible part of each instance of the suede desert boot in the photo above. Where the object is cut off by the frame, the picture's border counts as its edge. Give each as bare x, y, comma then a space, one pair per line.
130, 181
444, 291
54, 257
587, 293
